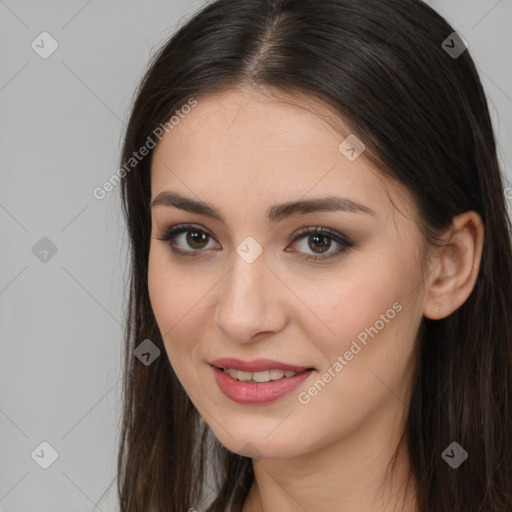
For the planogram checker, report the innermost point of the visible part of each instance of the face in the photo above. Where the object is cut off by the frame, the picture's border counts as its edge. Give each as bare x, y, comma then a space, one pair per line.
258, 288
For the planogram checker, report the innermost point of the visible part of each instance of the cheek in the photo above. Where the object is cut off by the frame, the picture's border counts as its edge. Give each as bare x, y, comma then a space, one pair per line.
375, 317
172, 295
369, 316
179, 295
348, 304
161, 289
173, 291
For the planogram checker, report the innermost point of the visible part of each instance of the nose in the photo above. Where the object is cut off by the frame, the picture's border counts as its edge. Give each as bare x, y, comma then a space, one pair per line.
249, 301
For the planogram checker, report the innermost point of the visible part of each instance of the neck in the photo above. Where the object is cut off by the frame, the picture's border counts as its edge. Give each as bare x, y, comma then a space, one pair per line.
344, 476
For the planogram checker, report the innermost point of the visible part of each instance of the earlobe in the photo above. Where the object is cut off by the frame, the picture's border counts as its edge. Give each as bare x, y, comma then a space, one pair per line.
456, 266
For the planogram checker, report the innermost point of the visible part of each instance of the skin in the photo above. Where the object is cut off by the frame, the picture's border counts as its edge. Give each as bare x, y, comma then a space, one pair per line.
243, 151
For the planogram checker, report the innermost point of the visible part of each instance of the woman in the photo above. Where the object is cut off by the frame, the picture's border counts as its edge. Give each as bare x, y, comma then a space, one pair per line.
321, 267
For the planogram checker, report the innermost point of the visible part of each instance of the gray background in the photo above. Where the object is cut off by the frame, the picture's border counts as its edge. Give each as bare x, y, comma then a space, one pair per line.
61, 314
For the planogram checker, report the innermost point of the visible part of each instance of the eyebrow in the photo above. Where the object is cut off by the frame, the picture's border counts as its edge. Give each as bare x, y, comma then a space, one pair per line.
275, 213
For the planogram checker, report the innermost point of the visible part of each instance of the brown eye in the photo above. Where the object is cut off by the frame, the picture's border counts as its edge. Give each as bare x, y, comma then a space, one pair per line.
319, 243
319, 240
196, 239
192, 244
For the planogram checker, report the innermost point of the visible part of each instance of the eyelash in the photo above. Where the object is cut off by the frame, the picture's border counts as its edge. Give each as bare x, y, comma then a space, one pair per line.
170, 234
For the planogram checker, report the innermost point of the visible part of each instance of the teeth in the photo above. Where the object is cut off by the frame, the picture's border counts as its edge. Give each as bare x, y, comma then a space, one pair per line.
276, 374
243, 376
262, 376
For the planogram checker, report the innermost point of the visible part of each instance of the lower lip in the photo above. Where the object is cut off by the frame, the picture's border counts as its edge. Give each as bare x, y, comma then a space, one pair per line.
257, 393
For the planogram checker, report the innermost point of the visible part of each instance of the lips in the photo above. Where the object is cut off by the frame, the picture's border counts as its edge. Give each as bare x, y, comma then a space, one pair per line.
263, 376
252, 384
256, 365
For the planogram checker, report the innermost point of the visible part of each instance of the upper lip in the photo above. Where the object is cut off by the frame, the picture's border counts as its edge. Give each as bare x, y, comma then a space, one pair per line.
256, 365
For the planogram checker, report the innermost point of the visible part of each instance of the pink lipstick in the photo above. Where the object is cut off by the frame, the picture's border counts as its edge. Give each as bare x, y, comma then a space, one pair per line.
259, 381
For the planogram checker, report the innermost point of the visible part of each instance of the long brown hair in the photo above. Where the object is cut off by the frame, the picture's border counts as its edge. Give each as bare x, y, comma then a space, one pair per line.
424, 118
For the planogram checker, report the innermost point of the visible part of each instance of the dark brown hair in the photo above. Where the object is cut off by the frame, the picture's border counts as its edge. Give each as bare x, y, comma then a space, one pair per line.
424, 118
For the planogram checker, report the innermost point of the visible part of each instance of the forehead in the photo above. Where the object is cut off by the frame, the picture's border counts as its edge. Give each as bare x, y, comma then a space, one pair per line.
251, 143
236, 114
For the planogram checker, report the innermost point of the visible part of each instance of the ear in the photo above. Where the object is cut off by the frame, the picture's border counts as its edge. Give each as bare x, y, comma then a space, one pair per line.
455, 266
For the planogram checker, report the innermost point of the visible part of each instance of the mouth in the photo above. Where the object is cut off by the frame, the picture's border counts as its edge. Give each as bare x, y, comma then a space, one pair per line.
263, 375
258, 381
259, 370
